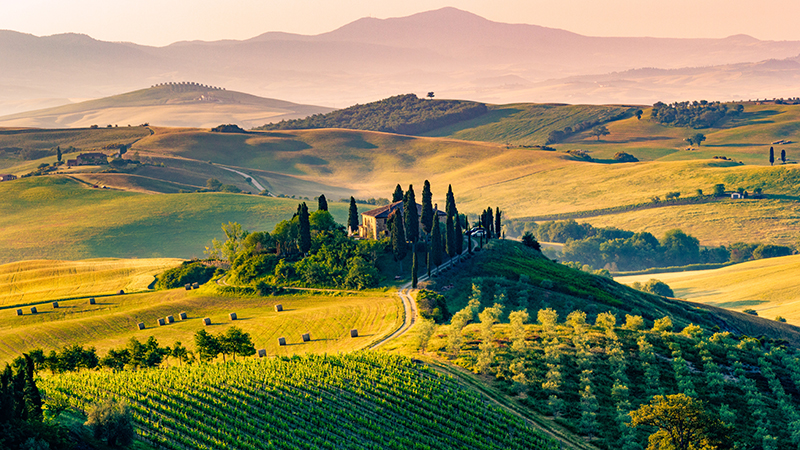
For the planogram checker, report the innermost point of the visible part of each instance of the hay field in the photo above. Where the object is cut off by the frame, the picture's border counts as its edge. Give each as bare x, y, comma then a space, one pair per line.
34, 282
769, 286
112, 321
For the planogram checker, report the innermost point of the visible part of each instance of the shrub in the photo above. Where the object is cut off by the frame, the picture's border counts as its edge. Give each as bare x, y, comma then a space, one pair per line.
432, 305
112, 422
752, 312
255, 267
624, 157
187, 272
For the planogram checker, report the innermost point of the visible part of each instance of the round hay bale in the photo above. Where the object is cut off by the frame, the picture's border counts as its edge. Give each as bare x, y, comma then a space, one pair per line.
306, 337
188, 287
92, 301
140, 325
33, 310
170, 319
161, 322
55, 305
183, 316
206, 321
262, 353
281, 341
278, 308
353, 333
196, 285
232, 316
19, 312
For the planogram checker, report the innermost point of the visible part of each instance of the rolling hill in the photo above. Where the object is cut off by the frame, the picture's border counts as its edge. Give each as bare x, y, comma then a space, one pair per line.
173, 105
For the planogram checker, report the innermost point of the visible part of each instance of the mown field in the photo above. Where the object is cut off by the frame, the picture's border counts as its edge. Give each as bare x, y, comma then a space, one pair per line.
33, 282
111, 322
362, 400
769, 286
59, 218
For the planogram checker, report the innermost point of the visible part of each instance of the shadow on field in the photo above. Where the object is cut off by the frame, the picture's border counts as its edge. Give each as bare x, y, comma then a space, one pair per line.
742, 303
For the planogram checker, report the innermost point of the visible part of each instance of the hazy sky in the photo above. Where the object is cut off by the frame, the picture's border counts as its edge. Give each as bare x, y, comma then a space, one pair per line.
160, 22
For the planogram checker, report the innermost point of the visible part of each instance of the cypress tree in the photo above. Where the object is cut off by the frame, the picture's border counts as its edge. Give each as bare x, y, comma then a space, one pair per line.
414, 264
411, 215
459, 236
322, 203
399, 245
304, 238
398, 194
771, 156
427, 208
451, 236
6, 395
783, 156
436, 242
490, 223
33, 399
352, 216
58, 153
497, 224
450, 205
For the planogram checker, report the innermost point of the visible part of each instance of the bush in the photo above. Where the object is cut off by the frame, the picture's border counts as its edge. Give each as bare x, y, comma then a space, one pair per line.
432, 305
752, 312
112, 422
255, 267
624, 157
187, 272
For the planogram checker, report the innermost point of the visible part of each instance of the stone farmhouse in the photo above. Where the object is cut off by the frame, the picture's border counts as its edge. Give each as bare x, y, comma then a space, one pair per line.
88, 159
373, 223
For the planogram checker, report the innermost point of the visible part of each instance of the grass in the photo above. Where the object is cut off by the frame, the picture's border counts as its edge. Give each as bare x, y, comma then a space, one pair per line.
769, 286
32, 282
60, 218
112, 321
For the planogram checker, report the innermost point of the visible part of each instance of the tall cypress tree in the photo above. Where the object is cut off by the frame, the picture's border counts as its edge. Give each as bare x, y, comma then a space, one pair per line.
490, 223
304, 238
58, 153
398, 194
352, 216
436, 242
450, 205
783, 156
450, 242
459, 236
414, 266
427, 208
497, 229
771, 156
322, 204
33, 399
411, 215
399, 245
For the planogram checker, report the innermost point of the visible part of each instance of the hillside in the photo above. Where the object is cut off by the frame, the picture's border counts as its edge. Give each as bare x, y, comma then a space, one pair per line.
402, 114
767, 286
376, 400
184, 104
60, 218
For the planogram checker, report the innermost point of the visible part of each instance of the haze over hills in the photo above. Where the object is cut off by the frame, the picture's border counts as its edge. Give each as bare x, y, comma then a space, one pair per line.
452, 52
184, 104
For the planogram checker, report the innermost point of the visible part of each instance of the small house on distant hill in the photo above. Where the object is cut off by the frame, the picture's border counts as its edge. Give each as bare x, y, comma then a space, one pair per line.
373, 222
8, 177
88, 159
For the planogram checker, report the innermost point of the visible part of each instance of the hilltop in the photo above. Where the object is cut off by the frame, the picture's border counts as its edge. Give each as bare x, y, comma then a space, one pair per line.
183, 104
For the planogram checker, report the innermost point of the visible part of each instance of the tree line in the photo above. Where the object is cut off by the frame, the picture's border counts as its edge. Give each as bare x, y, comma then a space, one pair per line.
702, 114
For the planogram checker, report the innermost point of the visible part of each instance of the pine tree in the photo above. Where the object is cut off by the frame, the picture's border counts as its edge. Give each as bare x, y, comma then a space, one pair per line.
322, 203
398, 194
427, 208
399, 245
436, 242
304, 234
497, 228
352, 217
771, 156
411, 215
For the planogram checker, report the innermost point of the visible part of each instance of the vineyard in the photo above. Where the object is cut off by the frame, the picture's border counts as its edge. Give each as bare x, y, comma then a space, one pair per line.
589, 377
361, 400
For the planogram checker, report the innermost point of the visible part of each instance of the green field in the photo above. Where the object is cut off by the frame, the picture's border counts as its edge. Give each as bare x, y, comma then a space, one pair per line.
60, 218
769, 286
111, 322
32, 282
362, 400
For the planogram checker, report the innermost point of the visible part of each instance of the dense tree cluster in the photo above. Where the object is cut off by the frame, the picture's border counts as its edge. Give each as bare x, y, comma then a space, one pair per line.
695, 114
404, 114
432, 305
228, 128
187, 272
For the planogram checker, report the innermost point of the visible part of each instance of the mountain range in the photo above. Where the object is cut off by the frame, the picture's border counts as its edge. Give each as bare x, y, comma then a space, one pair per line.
452, 52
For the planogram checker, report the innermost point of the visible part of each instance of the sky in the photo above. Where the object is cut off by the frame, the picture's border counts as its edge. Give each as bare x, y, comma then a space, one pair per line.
161, 22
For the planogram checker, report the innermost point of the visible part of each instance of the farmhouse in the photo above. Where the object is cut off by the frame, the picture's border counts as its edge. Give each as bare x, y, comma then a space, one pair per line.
88, 159
373, 223
8, 177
